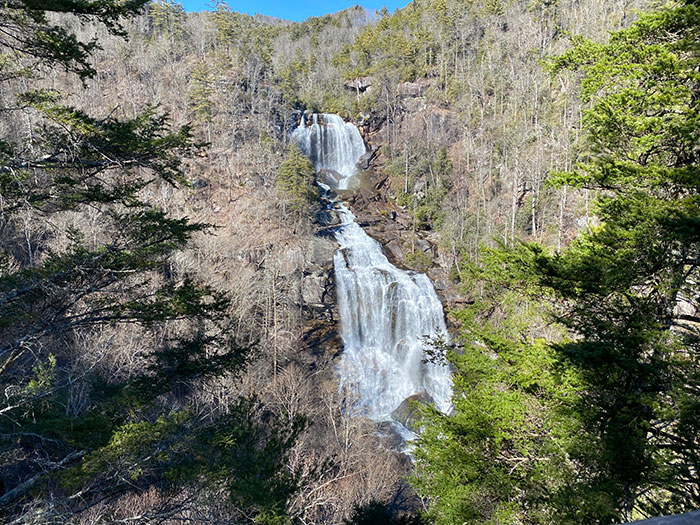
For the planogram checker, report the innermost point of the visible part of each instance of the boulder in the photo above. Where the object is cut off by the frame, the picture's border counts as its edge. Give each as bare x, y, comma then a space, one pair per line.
439, 285
320, 252
327, 218
390, 434
423, 245
394, 250
329, 177
312, 290
364, 161
329, 196
404, 222
407, 412
367, 220
379, 185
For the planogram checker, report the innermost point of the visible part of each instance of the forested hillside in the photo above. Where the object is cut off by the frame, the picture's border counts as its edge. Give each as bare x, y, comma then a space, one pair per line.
168, 326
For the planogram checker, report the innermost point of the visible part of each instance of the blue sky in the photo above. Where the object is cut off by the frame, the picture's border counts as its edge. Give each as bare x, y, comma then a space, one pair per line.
296, 10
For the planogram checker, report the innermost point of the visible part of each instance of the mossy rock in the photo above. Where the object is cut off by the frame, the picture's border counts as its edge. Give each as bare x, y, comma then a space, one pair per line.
408, 413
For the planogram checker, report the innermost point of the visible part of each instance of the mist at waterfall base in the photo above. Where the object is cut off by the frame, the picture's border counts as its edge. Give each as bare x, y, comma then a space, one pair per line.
385, 313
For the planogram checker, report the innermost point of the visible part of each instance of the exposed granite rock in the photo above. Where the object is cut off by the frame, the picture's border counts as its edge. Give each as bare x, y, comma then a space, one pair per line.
317, 289
320, 252
327, 218
440, 118
411, 89
393, 250
329, 177
387, 223
369, 220
322, 344
393, 439
407, 412
413, 105
313, 288
423, 245
365, 160
375, 209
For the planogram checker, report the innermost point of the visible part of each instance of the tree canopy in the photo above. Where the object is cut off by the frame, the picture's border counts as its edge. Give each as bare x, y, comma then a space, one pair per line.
29, 30
86, 257
626, 294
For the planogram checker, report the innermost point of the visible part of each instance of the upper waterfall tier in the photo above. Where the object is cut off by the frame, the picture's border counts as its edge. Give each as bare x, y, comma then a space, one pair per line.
330, 144
386, 313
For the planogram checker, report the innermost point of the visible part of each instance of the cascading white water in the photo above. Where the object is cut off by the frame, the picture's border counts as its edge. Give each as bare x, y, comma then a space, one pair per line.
385, 313
331, 145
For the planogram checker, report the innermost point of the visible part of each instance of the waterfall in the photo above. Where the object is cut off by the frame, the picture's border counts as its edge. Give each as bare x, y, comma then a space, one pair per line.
332, 146
386, 313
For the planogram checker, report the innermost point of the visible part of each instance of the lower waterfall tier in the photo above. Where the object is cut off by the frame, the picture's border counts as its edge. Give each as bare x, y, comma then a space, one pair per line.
386, 316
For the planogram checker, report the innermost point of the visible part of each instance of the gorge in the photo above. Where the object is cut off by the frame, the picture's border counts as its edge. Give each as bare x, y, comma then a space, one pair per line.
227, 242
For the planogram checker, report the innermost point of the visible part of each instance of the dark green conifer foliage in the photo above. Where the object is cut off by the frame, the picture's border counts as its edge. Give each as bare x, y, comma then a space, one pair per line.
26, 31
295, 179
129, 432
631, 285
202, 91
501, 456
618, 397
168, 17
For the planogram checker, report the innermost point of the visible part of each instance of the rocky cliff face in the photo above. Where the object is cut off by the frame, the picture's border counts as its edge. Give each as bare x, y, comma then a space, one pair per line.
321, 338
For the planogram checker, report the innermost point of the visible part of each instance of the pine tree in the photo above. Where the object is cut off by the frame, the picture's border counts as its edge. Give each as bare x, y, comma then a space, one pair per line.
295, 179
623, 436
29, 39
168, 18
201, 94
500, 456
631, 285
60, 284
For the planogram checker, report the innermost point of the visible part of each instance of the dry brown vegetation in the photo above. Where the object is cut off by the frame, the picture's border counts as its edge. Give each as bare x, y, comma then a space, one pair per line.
505, 125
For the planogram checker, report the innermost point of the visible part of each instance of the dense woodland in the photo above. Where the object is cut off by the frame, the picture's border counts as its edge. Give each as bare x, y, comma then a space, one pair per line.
166, 340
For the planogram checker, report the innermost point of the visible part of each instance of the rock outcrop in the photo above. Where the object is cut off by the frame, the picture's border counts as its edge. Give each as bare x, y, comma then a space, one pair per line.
322, 343
366, 159
317, 283
414, 89
392, 226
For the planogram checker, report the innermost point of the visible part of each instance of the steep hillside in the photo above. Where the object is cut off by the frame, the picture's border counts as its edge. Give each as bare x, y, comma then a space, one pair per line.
203, 388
